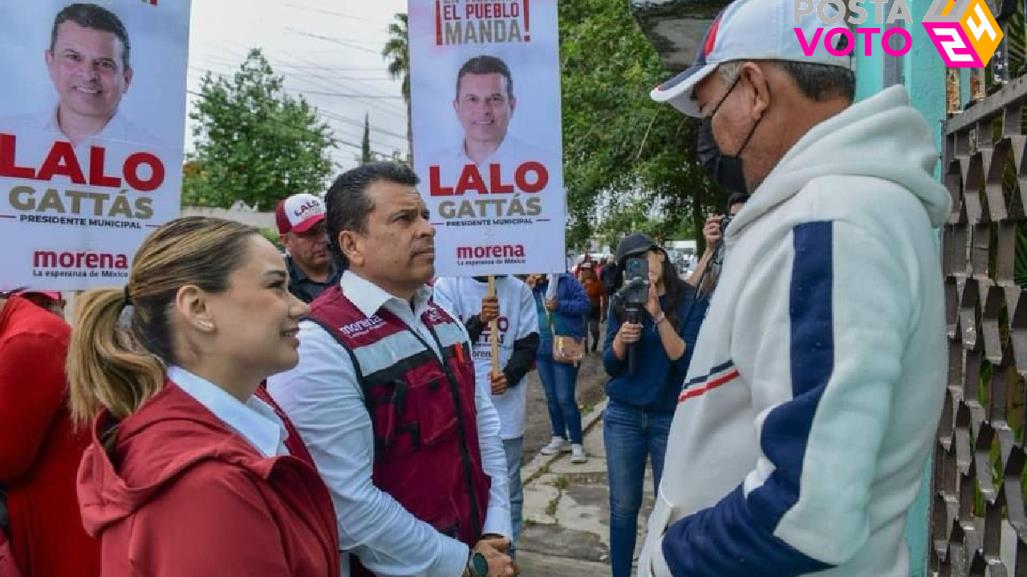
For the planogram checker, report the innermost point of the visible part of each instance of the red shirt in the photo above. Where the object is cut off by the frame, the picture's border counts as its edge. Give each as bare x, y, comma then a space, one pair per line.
595, 291
39, 450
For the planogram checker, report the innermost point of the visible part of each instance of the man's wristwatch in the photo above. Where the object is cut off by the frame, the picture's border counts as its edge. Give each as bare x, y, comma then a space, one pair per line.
477, 565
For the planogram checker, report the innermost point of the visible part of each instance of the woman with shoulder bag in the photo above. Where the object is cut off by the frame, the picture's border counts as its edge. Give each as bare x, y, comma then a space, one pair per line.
641, 404
561, 312
192, 469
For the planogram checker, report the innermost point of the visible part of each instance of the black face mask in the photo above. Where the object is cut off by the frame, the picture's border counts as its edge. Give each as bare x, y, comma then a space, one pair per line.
724, 169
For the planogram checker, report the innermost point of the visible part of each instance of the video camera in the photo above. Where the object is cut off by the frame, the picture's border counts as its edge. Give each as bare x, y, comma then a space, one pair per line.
634, 295
636, 282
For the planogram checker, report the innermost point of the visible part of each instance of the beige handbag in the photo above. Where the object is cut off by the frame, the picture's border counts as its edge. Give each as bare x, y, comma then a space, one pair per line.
566, 349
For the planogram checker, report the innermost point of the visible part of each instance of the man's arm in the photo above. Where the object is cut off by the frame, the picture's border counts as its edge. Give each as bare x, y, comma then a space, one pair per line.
324, 401
493, 462
825, 367
522, 359
711, 232
526, 345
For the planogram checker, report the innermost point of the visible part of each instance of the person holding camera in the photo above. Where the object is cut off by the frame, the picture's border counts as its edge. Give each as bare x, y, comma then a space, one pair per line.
713, 256
561, 310
656, 319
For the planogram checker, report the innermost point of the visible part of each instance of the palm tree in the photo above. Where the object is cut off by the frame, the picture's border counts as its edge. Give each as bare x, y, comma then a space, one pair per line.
397, 52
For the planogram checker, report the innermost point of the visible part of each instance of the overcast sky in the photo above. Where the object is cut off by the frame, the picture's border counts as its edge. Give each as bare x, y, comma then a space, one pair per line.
327, 50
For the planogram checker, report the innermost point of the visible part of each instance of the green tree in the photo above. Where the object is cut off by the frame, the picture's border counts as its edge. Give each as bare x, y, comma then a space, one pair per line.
397, 53
365, 143
621, 149
254, 142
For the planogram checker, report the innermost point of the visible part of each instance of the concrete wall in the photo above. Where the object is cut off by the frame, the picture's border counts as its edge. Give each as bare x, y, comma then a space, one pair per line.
258, 219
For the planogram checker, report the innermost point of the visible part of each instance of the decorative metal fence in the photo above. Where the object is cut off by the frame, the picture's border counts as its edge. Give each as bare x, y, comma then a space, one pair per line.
978, 521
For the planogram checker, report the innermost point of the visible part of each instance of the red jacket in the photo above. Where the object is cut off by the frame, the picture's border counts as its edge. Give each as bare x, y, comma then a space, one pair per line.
189, 497
39, 450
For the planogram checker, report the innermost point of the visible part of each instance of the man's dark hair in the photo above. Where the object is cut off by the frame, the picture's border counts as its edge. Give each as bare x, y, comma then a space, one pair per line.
347, 204
485, 64
736, 198
97, 18
820, 82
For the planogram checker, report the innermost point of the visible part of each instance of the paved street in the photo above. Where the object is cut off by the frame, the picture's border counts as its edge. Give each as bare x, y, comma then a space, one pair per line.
566, 505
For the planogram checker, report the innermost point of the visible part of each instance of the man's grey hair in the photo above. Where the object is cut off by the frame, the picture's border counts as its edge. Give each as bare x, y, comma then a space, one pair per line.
818, 82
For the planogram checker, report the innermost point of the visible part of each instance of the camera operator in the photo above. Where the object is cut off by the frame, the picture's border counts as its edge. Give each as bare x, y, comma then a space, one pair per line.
642, 402
713, 256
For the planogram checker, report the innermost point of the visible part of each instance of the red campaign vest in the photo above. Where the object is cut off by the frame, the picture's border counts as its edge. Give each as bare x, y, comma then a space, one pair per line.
426, 453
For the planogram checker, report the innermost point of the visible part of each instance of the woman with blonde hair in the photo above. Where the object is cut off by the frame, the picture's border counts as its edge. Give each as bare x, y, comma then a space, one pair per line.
191, 470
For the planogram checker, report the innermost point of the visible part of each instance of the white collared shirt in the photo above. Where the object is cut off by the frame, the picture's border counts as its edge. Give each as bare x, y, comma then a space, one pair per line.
254, 420
510, 151
325, 402
118, 129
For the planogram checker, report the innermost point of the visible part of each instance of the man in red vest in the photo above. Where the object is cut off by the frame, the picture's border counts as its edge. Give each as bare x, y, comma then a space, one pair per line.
384, 396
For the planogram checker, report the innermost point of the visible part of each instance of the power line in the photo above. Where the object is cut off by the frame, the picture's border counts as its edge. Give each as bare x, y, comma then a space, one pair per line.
306, 130
331, 13
328, 83
343, 43
349, 94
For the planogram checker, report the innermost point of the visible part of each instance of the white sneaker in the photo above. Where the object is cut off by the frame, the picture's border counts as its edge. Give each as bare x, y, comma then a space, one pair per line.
556, 445
578, 454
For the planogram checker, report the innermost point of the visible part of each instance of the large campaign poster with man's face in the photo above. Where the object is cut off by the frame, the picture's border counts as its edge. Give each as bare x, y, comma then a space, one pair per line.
485, 107
91, 135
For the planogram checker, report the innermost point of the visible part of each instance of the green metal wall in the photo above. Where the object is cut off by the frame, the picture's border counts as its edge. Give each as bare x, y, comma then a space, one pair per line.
923, 73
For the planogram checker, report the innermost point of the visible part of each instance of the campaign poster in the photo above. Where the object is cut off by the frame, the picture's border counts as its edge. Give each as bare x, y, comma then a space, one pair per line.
92, 121
485, 116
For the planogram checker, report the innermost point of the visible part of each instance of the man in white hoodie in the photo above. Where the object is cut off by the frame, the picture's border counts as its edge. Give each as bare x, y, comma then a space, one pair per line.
813, 395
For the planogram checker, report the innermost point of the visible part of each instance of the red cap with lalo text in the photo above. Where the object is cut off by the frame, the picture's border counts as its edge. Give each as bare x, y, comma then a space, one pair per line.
299, 213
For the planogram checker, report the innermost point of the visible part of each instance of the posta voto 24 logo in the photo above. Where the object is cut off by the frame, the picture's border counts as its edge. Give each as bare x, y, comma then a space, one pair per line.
964, 31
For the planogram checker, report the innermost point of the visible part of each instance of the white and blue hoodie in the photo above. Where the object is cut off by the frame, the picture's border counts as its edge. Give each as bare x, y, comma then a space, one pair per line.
814, 393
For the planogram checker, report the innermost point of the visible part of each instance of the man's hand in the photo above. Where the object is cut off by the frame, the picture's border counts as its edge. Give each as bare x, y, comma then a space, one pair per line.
499, 383
494, 549
552, 305
489, 309
711, 230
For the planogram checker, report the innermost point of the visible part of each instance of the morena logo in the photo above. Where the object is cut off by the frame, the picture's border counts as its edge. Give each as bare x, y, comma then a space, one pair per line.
964, 31
490, 251
78, 259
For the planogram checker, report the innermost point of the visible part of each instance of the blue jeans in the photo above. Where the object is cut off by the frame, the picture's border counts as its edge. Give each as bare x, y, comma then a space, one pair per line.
514, 457
630, 435
558, 381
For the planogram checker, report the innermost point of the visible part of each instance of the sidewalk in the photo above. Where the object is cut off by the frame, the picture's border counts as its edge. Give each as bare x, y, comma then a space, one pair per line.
567, 511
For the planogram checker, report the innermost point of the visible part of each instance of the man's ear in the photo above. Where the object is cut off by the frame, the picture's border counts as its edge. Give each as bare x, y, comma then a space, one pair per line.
513, 105
759, 92
128, 78
192, 304
351, 246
